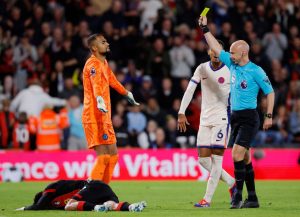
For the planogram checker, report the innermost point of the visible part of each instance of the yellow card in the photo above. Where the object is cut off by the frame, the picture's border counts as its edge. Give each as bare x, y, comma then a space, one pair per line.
204, 12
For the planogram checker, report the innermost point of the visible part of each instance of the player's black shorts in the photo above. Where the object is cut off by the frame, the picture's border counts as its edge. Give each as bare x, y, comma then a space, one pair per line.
244, 126
96, 192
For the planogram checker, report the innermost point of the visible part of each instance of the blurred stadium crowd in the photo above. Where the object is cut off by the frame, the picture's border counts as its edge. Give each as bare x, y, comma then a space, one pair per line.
155, 47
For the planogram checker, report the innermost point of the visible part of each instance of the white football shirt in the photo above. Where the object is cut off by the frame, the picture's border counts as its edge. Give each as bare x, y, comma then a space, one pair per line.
215, 86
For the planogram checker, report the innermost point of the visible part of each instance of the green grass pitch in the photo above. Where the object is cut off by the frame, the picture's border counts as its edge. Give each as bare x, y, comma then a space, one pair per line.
277, 198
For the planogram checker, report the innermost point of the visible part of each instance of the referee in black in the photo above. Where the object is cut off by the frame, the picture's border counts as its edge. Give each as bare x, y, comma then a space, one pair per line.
246, 81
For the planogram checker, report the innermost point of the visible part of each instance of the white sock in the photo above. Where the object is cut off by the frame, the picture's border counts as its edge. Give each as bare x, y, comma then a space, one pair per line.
228, 179
225, 177
214, 177
205, 162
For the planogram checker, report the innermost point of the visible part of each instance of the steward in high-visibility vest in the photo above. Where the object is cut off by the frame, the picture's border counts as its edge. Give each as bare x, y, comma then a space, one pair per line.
48, 130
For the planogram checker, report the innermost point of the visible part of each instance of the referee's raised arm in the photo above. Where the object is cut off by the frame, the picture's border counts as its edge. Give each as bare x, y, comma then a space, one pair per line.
211, 40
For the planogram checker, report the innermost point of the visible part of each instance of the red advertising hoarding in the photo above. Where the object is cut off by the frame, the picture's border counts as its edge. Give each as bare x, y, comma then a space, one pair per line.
137, 164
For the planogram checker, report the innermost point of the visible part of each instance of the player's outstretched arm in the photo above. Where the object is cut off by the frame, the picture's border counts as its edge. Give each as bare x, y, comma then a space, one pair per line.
211, 40
114, 83
43, 202
31, 207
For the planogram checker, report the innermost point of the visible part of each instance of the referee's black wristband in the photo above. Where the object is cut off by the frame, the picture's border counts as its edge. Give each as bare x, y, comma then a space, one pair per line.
205, 29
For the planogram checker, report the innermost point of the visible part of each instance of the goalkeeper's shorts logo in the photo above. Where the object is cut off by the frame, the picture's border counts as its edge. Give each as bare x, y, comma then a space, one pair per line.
105, 136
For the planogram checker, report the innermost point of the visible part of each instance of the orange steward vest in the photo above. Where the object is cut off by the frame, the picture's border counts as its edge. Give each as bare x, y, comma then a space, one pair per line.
48, 131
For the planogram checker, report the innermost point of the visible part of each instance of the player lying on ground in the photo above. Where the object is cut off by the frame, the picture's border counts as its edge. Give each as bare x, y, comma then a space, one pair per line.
80, 195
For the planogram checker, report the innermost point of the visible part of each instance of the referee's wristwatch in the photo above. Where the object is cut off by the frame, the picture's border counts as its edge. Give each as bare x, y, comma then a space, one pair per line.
268, 115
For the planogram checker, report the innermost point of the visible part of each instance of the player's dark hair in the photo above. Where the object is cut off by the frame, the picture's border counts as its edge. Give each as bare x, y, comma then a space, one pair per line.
92, 38
37, 197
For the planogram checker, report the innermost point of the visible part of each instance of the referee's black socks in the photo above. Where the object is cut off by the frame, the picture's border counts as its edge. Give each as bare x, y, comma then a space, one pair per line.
239, 173
249, 179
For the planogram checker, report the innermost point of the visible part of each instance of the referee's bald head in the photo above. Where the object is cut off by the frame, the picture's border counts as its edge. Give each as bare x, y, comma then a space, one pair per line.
240, 46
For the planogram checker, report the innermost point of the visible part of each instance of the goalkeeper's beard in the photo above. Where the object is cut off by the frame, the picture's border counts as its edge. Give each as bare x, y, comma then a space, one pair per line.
105, 53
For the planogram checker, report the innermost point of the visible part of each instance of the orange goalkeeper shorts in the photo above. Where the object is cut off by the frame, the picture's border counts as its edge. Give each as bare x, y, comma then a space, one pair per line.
99, 134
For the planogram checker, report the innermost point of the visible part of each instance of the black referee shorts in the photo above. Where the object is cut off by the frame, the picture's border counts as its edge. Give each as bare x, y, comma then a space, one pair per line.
244, 126
96, 192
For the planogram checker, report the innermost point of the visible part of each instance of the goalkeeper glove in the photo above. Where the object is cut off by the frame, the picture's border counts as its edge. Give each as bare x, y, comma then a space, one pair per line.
101, 105
131, 99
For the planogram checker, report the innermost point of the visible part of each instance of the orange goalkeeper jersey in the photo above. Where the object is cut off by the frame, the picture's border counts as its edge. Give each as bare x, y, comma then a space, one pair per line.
97, 78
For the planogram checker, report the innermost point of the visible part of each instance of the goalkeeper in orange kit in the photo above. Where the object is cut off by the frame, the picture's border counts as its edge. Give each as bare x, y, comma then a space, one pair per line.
96, 116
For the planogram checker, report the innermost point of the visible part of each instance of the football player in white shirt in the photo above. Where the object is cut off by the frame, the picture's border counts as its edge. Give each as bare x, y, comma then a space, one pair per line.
214, 126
